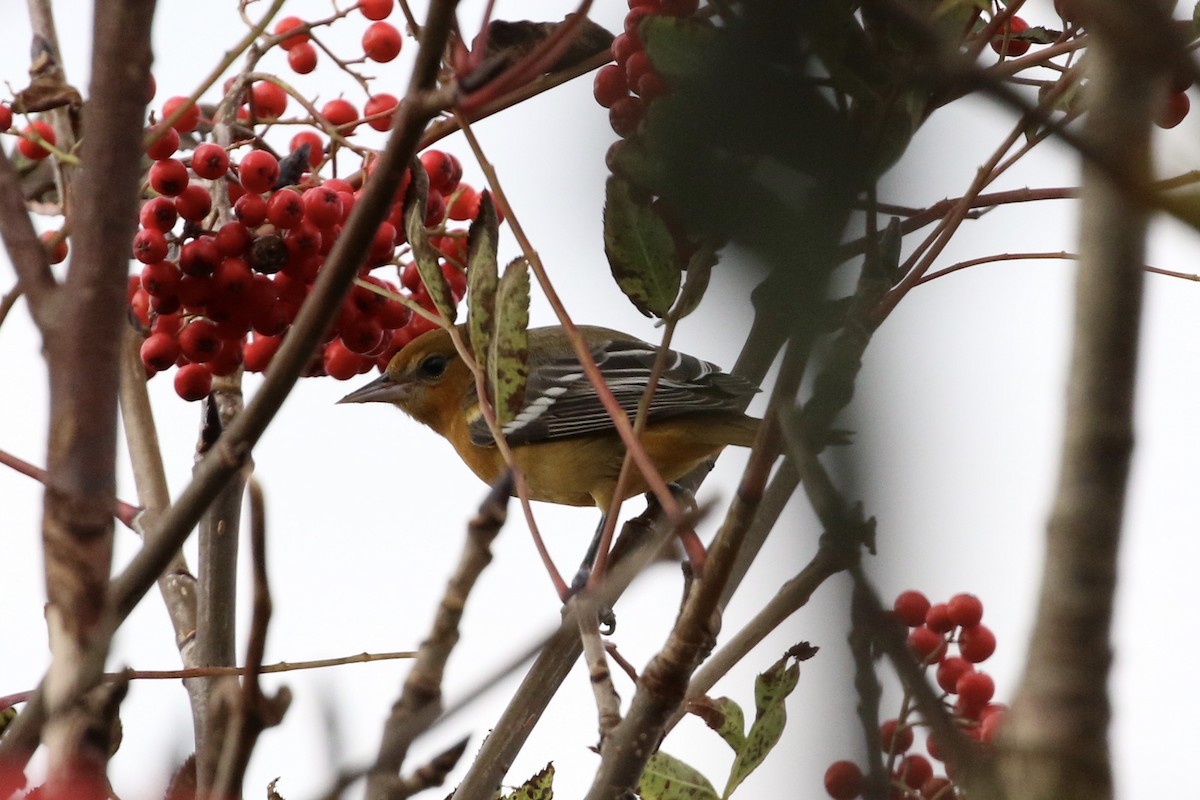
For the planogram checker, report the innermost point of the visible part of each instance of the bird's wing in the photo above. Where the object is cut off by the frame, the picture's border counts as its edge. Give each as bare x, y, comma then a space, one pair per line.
561, 402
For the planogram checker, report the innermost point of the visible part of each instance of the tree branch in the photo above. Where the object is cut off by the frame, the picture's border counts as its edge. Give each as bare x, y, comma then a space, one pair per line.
1056, 737
83, 334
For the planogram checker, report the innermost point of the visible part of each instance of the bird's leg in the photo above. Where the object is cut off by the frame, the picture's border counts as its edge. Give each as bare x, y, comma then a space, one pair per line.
696, 553
589, 558
608, 619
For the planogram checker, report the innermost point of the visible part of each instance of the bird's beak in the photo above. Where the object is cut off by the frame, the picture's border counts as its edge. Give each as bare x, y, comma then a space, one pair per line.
381, 390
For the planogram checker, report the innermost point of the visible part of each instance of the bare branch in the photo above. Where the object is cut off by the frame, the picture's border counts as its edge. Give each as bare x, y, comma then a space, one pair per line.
1056, 737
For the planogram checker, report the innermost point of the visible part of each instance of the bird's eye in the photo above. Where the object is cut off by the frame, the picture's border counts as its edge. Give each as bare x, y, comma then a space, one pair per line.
433, 366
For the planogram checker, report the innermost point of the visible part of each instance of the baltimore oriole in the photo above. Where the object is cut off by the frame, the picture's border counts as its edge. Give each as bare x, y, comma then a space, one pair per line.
563, 439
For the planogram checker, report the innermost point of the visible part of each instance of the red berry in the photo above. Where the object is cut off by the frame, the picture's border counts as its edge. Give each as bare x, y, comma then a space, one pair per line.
1004, 44
195, 292
258, 171
623, 47
843, 780
937, 618
914, 771
286, 24
194, 202
199, 257
1173, 110
200, 341
139, 304
259, 351
303, 243
232, 277
166, 304
382, 42
149, 246
625, 115
193, 382
166, 143
382, 103
927, 645
376, 9
634, 19
270, 320
651, 85
322, 206
6, 118
230, 357
894, 738
950, 670
382, 244
161, 279
190, 118
636, 66
316, 146
393, 315
270, 100
910, 608
169, 324
410, 277
444, 170
361, 335
465, 204
435, 209
340, 112
965, 610
302, 59
285, 210
31, 149
974, 690
159, 351
454, 248
340, 363
168, 177
251, 210
158, 213
232, 239
976, 643
609, 85
210, 161
339, 185
933, 747
990, 719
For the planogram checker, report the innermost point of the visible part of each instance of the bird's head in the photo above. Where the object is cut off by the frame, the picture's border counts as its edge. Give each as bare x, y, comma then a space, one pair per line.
422, 380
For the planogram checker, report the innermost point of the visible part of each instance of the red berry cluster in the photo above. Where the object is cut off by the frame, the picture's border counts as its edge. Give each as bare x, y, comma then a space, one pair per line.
218, 288
626, 87
934, 629
213, 298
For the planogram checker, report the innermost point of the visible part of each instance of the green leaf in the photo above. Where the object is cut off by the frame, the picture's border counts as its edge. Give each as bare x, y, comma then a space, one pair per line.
539, 787
482, 279
771, 688
667, 778
676, 46
424, 253
640, 250
724, 716
508, 355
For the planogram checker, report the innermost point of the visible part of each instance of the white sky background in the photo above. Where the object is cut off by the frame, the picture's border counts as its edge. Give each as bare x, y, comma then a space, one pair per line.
958, 417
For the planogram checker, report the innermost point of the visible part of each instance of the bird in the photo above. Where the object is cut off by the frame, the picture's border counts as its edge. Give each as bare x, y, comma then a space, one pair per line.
563, 440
